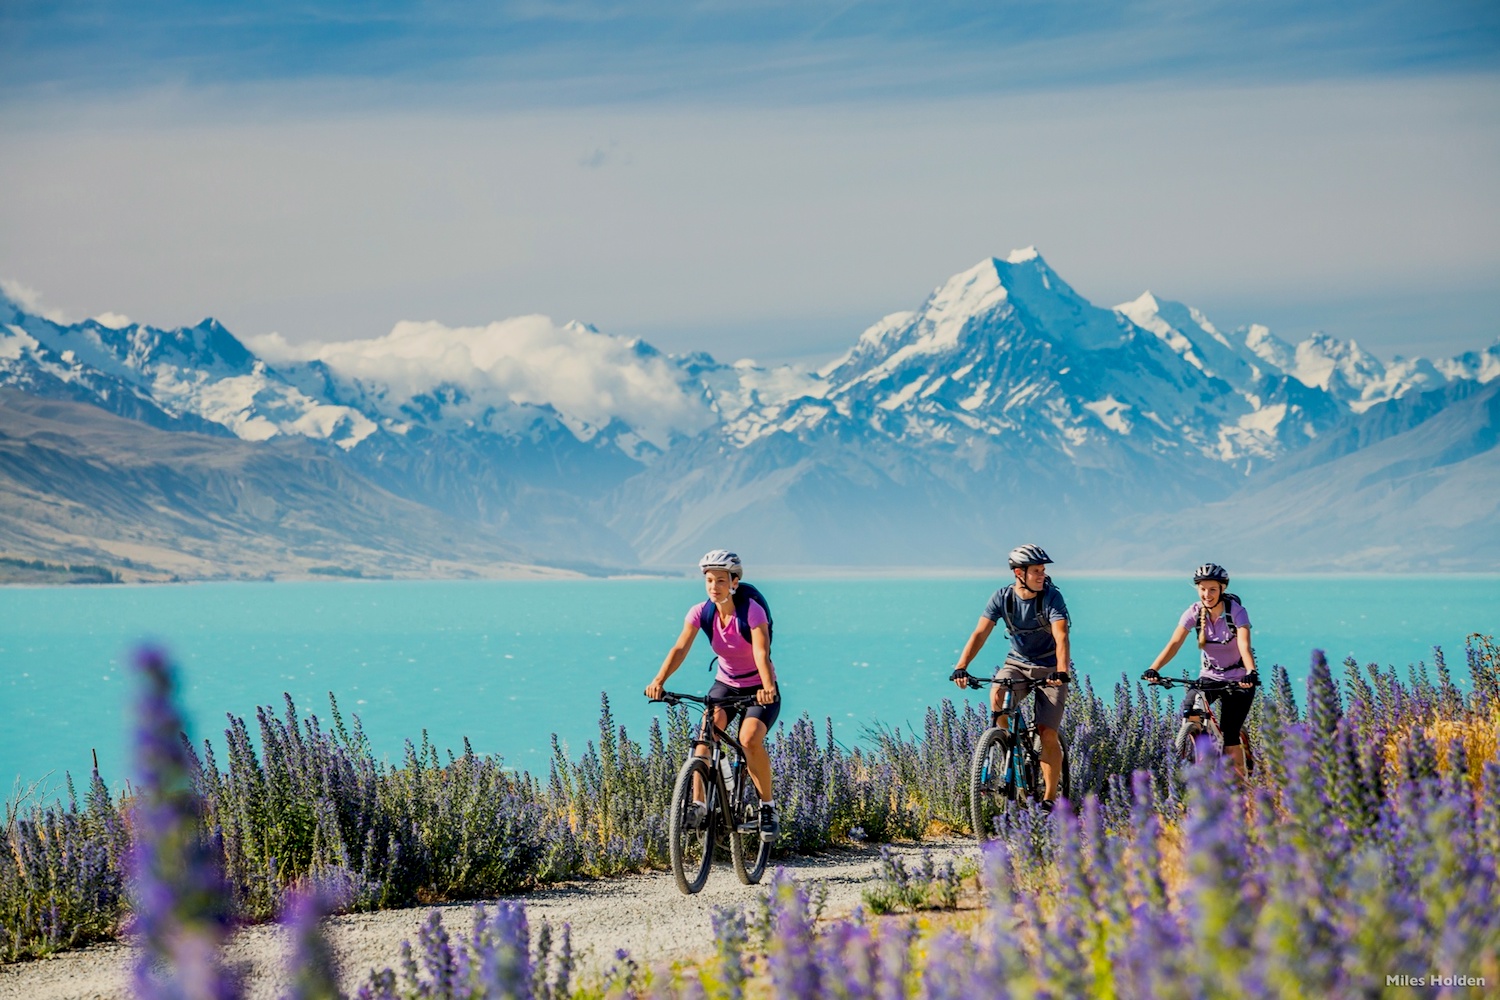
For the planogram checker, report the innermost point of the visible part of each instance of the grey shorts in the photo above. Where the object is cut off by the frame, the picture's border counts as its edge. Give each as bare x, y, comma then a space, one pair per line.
1048, 708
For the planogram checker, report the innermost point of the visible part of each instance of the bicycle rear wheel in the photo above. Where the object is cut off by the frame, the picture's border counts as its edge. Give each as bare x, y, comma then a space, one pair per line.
1065, 785
1030, 766
749, 853
988, 780
690, 845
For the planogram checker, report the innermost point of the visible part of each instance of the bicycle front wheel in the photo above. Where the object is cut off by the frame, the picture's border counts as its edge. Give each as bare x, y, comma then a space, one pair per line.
1185, 746
689, 841
987, 780
749, 853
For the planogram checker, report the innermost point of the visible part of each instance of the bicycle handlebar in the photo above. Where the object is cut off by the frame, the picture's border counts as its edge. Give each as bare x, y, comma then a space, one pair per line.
734, 701
1202, 683
1011, 682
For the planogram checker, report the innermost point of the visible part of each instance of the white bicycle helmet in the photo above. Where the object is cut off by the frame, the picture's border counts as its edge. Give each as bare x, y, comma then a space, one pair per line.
722, 559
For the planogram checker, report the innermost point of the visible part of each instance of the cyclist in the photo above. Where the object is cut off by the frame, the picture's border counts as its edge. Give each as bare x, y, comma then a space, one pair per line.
744, 668
1223, 627
1036, 619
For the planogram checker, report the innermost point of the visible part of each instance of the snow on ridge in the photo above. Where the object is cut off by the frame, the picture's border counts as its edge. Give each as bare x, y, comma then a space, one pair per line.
1481, 366
935, 329
1145, 312
1270, 348
1022, 256
1320, 357
1112, 413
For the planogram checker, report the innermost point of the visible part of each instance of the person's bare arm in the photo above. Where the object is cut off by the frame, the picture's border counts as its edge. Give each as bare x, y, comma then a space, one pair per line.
675, 656
1246, 653
1064, 647
1169, 650
973, 646
760, 642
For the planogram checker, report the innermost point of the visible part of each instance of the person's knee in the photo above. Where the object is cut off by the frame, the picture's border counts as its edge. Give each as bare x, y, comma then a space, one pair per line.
752, 735
1048, 735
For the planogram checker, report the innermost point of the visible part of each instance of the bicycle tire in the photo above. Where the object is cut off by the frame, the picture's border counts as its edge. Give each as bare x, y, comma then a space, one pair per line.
1031, 763
1185, 743
987, 782
747, 851
691, 851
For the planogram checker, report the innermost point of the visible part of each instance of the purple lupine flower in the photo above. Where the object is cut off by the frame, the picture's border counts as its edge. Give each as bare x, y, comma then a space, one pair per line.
437, 957
730, 937
791, 953
312, 965
181, 910
503, 943
893, 964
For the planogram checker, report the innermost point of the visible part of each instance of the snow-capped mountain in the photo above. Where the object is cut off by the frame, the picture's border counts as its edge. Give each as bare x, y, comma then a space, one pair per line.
200, 377
1005, 398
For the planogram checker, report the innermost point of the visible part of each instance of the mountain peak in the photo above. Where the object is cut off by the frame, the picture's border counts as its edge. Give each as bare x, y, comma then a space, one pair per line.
1023, 255
1145, 304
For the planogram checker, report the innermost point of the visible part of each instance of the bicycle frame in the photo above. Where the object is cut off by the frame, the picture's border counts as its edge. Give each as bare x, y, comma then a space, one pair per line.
715, 738
1020, 732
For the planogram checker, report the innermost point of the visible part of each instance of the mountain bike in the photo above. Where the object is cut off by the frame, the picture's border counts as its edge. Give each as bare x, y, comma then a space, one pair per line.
721, 777
1199, 720
1007, 762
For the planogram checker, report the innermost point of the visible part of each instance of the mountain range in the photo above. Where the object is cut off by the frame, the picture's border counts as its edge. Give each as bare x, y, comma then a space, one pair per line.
1005, 408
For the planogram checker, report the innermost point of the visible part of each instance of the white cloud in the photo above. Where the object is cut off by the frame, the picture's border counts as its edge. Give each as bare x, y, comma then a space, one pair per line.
31, 300
587, 376
113, 320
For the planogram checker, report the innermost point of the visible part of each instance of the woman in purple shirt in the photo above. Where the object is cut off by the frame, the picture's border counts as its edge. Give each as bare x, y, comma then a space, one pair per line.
1223, 627
744, 669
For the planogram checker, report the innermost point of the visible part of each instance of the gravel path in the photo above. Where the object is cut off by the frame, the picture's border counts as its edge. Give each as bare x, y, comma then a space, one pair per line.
644, 914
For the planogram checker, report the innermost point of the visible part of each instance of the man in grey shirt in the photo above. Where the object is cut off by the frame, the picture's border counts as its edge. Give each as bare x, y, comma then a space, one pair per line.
1036, 619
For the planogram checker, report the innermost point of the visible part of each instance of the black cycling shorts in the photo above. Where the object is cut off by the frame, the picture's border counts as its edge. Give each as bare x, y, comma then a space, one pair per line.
765, 713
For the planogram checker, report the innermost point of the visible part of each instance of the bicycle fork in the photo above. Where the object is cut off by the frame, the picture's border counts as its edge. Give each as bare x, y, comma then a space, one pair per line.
1194, 723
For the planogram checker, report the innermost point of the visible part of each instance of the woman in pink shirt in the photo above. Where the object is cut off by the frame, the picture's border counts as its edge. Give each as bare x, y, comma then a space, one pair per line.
1223, 627
744, 668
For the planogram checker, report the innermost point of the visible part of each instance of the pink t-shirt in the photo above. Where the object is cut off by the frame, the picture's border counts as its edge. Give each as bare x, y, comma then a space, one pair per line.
736, 654
1222, 651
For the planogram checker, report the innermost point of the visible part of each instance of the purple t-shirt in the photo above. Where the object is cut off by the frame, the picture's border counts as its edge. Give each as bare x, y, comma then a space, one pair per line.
736, 654
1222, 650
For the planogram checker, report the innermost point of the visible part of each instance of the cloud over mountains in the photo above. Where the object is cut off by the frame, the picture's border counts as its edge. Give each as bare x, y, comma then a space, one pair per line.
590, 377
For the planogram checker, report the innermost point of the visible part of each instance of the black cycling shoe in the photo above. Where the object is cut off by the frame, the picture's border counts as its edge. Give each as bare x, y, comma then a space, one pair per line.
697, 815
769, 825
1047, 805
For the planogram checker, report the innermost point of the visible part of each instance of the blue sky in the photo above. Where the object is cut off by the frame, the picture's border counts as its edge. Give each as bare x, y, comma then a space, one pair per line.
756, 178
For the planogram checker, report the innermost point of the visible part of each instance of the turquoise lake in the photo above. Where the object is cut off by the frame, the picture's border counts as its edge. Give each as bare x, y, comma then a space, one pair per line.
508, 663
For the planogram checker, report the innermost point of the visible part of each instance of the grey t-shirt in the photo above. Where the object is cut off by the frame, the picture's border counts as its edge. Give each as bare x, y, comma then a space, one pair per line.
1030, 623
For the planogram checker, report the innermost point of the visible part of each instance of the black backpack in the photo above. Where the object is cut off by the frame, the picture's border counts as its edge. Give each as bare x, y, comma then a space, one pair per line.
1230, 601
743, 595
1010, 616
